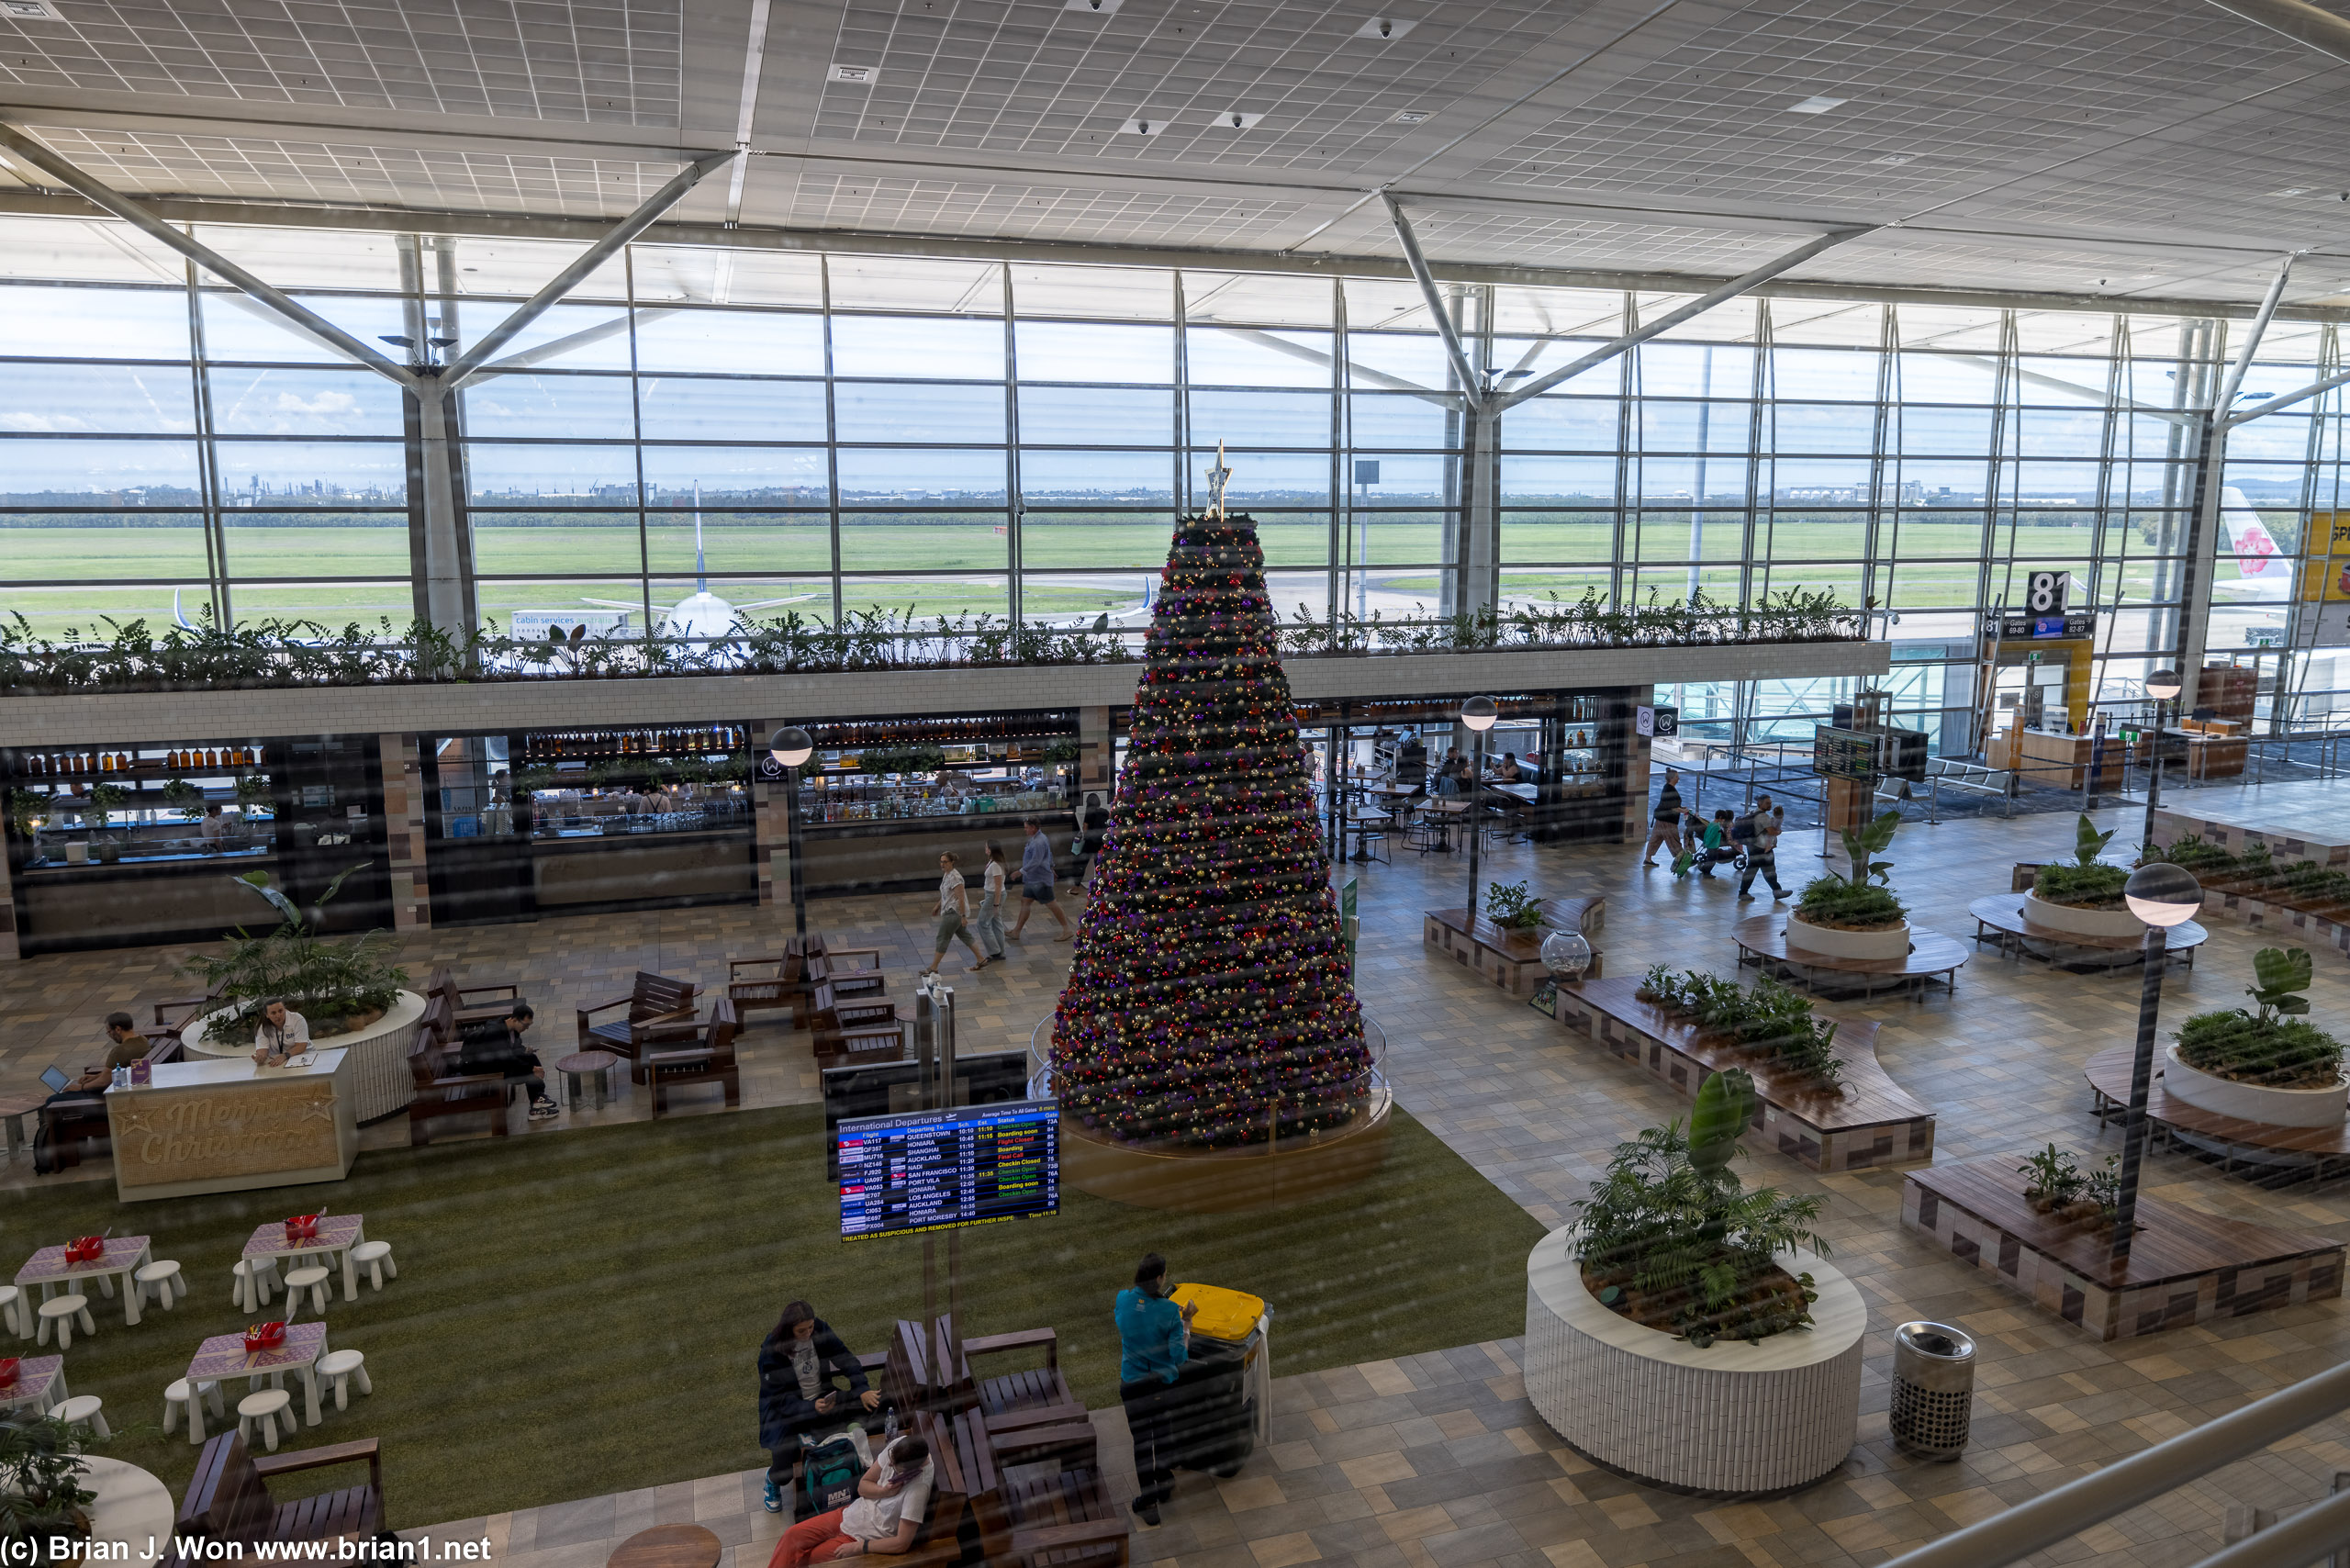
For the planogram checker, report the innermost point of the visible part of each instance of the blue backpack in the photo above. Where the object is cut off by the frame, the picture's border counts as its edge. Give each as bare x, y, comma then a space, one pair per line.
828, 1473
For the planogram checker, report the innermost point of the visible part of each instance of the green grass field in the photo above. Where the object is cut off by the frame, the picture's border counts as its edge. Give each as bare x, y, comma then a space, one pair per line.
1936, 563
581, 1313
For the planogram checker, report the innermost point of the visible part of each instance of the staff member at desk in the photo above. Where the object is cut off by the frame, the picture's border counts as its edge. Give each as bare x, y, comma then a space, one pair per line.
284, 1033
215, 827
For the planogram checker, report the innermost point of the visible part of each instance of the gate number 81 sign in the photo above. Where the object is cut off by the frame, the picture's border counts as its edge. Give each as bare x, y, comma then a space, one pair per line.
2047, 592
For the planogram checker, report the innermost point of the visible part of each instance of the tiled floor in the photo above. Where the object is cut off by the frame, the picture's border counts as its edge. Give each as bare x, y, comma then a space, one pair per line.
1438, 1459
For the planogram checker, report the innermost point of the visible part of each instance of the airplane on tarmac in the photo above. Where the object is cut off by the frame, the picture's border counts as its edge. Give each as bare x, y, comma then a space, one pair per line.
702, 614
2264, 572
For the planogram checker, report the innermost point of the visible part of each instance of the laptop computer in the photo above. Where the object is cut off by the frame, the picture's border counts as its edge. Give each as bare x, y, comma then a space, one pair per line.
54, 1077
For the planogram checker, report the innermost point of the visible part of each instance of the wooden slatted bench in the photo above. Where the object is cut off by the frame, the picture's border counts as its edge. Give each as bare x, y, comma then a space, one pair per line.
2320, 1152
1762, 942
228, 1501
1511, 960
1870, 1121
2185, 1266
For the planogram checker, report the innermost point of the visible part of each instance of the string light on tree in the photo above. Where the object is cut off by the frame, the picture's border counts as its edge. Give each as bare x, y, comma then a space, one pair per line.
1208, 1003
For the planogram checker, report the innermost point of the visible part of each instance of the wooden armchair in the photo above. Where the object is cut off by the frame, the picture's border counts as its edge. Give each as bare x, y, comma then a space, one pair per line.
228, 1499
471, 1004
850, 1033
911, 1379
439, 1092
1062, 1516
178, 1013
1016, 1394
783, 985
660, 1013
846, 979
707, 1058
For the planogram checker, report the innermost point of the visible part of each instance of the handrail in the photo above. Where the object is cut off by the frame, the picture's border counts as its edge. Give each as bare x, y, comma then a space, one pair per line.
2293, 1543
2060, 1515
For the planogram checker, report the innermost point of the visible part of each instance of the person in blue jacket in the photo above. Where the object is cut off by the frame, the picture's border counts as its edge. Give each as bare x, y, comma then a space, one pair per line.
798, 1365
1154, 1340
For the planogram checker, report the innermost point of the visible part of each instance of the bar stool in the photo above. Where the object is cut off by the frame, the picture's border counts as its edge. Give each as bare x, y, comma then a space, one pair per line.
84, 1408
16, 1311
343, 1368
176, 1400
261, 1410
253, 1278
376, 1257
311, 1277
65, 1311
164, 1275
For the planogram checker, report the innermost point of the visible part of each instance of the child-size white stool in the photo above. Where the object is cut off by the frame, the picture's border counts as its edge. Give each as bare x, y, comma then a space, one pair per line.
17, 1311
262, 1409
84, 1408
343, 1368
162, 1276
311, 1277
376, 1257
65, 1311
176, 1400
253, 1278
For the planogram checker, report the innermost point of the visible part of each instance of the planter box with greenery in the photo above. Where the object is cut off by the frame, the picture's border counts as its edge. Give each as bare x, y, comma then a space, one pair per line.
2273, 1065
2083, 898
1856, 914
2311, 896
1773, 1021
1668, 1291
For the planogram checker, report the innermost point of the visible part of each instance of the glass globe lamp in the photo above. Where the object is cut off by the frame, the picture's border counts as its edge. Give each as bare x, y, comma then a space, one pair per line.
1566, 954
790, 746
2162, 894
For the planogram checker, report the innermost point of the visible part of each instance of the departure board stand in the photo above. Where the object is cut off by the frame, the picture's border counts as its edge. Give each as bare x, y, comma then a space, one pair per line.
933, 1027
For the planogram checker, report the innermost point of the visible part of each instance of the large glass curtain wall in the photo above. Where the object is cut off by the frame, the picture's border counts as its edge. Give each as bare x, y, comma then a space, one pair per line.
697, 434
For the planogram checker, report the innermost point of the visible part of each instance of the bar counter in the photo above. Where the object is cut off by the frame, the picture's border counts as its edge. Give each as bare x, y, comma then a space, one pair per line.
899, 855
228, 1125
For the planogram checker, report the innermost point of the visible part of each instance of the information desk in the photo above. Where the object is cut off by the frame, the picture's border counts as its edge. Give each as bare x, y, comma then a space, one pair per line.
227, 1124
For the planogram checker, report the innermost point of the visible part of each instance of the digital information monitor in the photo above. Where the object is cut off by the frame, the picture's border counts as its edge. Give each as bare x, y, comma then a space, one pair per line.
935, 1169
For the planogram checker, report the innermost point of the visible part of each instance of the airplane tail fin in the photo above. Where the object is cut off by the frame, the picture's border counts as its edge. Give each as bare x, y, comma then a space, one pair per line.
179, 616
2257, 553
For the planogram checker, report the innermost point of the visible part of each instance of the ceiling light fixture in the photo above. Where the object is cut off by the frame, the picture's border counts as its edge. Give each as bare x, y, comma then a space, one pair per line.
2291, 191
1140, 127
28, 10
1896, 158
1238, 120
1386, 29
1410, 116
1093, 7
1815, 106
863, 75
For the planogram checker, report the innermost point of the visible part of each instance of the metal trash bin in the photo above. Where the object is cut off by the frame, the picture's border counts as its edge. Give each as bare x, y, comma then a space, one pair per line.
1933, 1389
1220, 1403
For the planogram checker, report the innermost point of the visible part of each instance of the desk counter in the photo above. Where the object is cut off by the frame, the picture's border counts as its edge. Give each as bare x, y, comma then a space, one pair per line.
224, 1126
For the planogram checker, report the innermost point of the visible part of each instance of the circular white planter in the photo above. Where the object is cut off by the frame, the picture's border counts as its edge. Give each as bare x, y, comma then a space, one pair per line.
1831, 943
1733, 1419
2081, 921
2253, 1102
380, 1083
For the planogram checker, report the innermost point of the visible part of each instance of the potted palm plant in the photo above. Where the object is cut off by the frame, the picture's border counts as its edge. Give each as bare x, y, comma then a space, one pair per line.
339, 987
2274, 1066
44, 1507
1853, 915
2082, 898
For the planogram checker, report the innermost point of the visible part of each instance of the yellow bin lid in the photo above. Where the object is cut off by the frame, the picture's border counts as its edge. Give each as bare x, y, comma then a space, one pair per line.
1223, 1315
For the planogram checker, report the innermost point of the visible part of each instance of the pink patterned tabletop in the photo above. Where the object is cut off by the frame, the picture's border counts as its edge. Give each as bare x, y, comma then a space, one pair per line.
224, 1355
334, 1231
49, 1263
34, 1374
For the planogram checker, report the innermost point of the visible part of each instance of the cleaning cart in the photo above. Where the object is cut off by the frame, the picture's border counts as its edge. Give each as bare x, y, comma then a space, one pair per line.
1223, 1402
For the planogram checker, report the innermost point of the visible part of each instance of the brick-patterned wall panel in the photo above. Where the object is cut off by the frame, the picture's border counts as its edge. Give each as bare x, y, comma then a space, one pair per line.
403, 772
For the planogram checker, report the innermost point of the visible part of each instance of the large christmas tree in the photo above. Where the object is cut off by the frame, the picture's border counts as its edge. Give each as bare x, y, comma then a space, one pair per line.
1208, 1001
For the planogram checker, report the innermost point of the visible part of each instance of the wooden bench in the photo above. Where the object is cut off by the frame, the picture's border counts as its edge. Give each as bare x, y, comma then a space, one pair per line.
707, 1058
783, 984
2185, 1266
228, 1501
2264, 1148
1999, 917
471, 1004
846, 979
1512, 960
1061, 1515
441, 1094
1762, 942
847, 1033
660, 1011
1870, 1122
912, 1380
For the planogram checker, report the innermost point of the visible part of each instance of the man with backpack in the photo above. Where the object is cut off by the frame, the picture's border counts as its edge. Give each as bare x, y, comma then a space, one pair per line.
1757, 833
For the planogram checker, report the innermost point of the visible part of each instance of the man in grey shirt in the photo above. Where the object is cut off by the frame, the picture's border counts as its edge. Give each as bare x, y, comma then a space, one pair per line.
1037, 879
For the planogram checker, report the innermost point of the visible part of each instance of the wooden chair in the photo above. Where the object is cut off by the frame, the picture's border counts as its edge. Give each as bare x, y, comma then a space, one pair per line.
846, 979
783, 986
228, 1499
188, 1009
709, 1059
851, 1033
660, 1013
70, 1129
440, 1092
471, 1004
1060, 1516
1017, 1393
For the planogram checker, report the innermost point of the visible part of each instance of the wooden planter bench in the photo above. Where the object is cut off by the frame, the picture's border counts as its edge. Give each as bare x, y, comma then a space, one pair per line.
1511, 960
1871, 1122
2185, 1266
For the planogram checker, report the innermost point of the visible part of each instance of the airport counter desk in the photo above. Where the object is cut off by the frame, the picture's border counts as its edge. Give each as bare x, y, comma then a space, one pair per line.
227, 1124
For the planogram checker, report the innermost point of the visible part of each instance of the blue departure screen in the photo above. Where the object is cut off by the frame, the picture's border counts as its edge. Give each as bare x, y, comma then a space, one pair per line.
934, 1170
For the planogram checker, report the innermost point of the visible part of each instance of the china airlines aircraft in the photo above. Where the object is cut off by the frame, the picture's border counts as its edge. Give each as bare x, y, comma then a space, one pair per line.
2264, 572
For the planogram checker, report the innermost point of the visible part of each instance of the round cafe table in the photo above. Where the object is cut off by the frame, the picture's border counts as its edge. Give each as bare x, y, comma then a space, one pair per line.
667, 1546
133, 1508
598, 1065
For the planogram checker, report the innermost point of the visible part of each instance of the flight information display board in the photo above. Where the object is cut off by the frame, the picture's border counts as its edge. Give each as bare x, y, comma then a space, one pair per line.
935, 1169
1843, 753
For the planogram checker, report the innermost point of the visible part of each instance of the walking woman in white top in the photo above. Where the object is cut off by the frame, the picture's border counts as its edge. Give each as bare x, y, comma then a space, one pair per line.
990, 923
953, 916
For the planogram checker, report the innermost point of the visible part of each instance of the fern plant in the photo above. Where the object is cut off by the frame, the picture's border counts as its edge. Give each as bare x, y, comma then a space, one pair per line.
1860, 897
328, 983
1771, 1020
2275, 1047
2089, 882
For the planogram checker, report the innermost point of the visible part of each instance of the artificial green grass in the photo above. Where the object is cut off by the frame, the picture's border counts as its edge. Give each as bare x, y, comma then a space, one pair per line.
581, 1313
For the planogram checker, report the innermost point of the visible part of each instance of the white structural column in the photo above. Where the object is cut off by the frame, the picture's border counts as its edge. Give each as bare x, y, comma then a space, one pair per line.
446, 568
